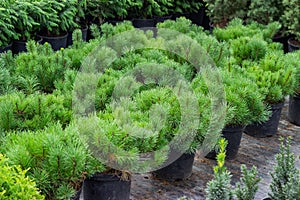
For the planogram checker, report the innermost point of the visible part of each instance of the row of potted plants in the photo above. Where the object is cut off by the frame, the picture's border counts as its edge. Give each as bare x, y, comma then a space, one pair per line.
255, 73
285, 12
24, 20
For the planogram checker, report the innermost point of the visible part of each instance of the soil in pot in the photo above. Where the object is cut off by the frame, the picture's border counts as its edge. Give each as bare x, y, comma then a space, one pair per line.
268, 128
178, 170
233, 134
106, 186
5, 49
293, 45
283, 40
84, 36
294, 110
20, 46
56, 42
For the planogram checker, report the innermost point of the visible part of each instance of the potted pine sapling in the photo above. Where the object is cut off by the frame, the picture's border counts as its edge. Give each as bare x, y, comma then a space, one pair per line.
285, 177
26, 24
294, 100
7, 29
56, 158
154, 110
221, 12
57, 21
221, 188
244, 106
15, 184
275, 76
291, 21
123, 139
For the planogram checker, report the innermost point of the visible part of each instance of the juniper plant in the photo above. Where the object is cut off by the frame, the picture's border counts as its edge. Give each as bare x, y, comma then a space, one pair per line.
285, 177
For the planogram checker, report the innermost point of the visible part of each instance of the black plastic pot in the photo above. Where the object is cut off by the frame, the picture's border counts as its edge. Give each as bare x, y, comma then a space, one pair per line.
177, 15
178, 170
160, 19
56, 42
294, 110
292, 47
77, 195
20, 46
197, 18
5, 49
84, 36
106, 186
283, 40
233, 134
268, 128
143, 23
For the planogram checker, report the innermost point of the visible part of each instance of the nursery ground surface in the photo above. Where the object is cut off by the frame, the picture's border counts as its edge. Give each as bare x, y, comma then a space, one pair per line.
253, 151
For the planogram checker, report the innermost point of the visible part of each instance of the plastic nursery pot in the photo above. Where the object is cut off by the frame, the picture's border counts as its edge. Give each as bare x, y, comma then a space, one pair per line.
106, 186
5, 49
293, 45
143, 23
20, 46
268, 128
197, 17
70, 33
233, 134
294, 110
56, 42
77, 195
177, 15
160, 19
283, 40
178, 170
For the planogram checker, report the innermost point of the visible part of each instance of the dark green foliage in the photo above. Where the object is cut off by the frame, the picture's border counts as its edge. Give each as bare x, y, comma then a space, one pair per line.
149, 8
265, 12
59, 16
221, 12
15, 184
7, 20
248, 185
58, 159
285, 177
290, 18
27, 13
185, 6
